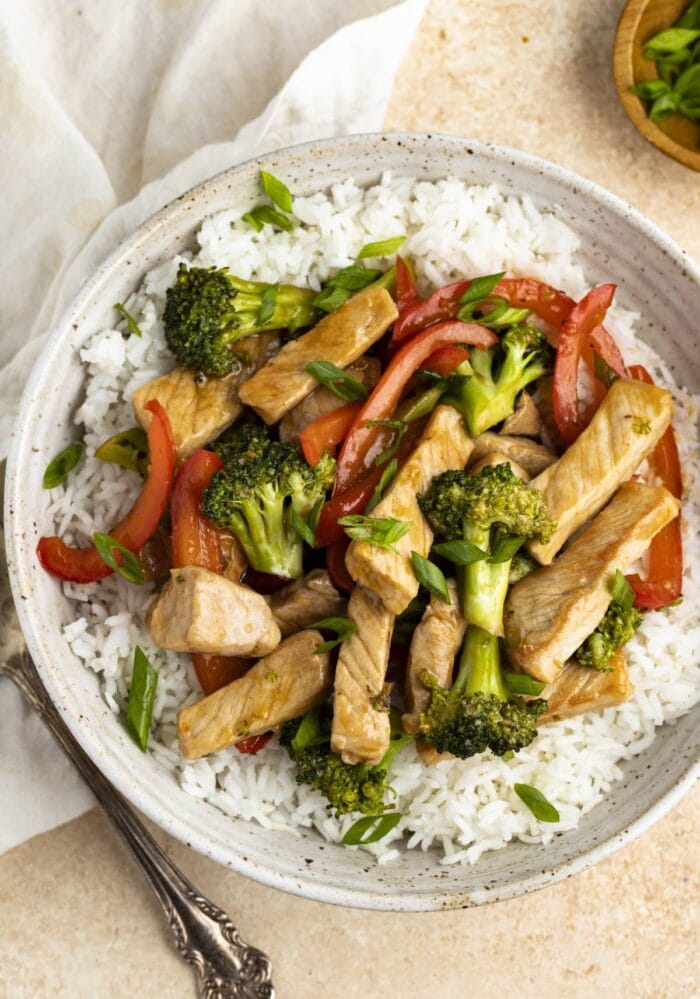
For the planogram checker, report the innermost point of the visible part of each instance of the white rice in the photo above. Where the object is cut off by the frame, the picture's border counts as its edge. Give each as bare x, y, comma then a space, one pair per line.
461, 807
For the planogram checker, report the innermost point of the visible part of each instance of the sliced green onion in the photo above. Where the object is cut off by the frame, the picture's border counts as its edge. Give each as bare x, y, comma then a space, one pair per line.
383, 824
460, 552
382, 248
387, 477
429, 576
268, 304
505, 549
381, 531
58, 468
670, 41
334, 378
537, 803
344, 627
480, 288
302, 528
128, 449
264, 215
128, 565
354, 278
330, 299
521, 683
142, 695
277, 190
134, 327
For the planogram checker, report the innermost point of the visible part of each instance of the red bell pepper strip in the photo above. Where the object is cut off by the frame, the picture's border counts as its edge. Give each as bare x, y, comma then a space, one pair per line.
353, 500
664, 581
254, 743
574, 339
442, 304
195, 541
327, 432
406, 291
444, 360
84, 565
356, 457
337, 570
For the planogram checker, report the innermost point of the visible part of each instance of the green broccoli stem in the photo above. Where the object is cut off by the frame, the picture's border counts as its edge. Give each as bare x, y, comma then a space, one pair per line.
395, 747
480, 666
484, 585
294, 308
269, 543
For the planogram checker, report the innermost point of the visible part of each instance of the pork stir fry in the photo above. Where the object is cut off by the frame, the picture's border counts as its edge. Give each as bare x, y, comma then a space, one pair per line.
384, 519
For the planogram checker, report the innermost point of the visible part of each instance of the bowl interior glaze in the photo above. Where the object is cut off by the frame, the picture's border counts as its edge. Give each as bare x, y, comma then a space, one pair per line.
617, 244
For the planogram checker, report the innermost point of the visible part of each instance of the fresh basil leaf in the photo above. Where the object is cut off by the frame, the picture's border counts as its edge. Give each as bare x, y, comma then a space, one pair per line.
277, 190
537, 803
382, 248
356, 834
603, 372
505, 549
302, 528
429, 576
387, 476
383, 532
264, 215
521, 683
621, 591
130, 321
460, 552
334, 378
128, 449
128, 565
480, 288
142, 695
268, 304
399, 427
57, 470
669, 42
344, 627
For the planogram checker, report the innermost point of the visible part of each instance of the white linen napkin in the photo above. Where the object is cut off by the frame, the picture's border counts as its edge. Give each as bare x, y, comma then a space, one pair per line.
107, 112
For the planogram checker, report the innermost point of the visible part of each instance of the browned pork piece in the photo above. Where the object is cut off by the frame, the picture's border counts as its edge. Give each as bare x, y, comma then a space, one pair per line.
361, 729
533, 457
340, 337
493, 459
320, 402
434, 645
306, 601
525, 419
623, 431
235, 561
550, 612
200, 407
580, 688
292, 680
445, 444
201, 611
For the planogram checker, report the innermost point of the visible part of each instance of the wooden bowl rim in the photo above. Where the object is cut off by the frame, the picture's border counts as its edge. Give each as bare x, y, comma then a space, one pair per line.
623, 72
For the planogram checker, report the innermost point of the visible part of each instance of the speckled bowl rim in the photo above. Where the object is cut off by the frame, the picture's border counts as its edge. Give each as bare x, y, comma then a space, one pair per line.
141, 795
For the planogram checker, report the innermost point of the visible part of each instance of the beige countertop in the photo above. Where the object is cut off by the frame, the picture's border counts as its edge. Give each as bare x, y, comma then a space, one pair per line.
76, 918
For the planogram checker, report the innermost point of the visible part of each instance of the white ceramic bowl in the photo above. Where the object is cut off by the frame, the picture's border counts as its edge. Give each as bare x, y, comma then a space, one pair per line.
617, 244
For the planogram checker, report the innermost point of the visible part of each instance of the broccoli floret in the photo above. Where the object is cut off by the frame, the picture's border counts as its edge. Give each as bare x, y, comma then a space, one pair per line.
494, 511
264, 493
498, 375
208, 310
348, 787
477, 713
615, 630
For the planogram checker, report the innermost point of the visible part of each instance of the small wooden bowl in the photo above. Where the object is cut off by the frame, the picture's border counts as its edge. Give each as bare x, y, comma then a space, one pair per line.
678, 136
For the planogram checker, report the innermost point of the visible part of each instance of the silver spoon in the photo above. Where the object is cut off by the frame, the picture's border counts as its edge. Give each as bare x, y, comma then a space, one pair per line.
226, 966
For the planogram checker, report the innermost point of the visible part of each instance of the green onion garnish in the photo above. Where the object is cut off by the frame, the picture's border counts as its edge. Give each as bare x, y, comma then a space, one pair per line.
277, 190
128, 565
128, 449
521, 683
142, 695
537, 803
263, 214
355, 836
344, 627
382, 248
334, 378
381, 531
460, 552
130, 321
57, 470
268, 304
429, 576
302, 528
386, 479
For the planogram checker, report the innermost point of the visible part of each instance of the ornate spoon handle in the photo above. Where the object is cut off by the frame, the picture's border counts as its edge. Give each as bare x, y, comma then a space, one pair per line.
226, 966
